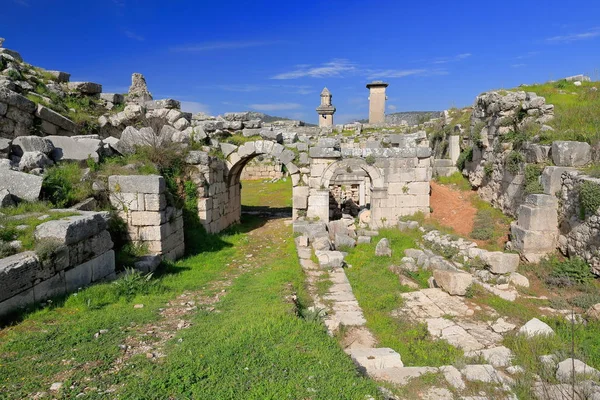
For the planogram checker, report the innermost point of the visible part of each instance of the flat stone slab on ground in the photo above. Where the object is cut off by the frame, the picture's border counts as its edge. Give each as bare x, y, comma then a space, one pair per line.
372, 359
480, 373
401, 375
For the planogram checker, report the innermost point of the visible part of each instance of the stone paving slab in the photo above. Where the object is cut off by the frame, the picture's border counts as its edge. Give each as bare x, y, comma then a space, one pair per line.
401, 375
370, 360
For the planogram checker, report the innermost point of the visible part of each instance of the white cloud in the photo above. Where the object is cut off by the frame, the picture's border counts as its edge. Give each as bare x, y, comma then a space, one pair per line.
401, 73
392, 107
334, 68
573, 37
134, 36
518, 65
275, 106
194, 107
195, 48
458, 57
528, 55
245, 88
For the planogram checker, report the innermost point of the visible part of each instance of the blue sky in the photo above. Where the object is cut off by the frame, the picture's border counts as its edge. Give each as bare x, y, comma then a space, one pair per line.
276, 56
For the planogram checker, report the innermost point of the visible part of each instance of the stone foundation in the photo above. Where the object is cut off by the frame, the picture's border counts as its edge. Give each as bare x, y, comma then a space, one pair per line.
82, 254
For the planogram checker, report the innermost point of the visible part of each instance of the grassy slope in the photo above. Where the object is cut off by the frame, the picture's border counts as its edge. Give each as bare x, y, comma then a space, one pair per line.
252, 347
261, 194
576, 109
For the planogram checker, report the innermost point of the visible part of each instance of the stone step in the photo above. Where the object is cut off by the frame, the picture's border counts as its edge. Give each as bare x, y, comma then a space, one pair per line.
369, 360
401, 375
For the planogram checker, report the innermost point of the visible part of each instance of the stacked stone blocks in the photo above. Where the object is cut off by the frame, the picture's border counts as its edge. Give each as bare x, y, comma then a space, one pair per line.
141, 201
82, 254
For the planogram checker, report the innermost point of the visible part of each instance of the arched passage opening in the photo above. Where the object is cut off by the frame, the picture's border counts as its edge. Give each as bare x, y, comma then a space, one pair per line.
235, 165
352, 186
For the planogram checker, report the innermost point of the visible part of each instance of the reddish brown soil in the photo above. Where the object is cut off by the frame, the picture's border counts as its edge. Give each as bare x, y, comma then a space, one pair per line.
452, 208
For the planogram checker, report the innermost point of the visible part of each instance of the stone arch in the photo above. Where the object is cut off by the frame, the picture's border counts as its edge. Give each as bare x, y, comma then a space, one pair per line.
378, 189
235, 163
373, 172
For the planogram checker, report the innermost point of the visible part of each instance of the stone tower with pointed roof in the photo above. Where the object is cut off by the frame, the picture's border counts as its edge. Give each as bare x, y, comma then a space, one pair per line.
326, 110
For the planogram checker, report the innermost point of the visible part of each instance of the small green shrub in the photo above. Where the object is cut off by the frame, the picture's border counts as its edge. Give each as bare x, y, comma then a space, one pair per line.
48, 249
14, 75
370, 159
488, 169
464, 157
513, 162
6, 250
559, 303
532, 183
585, 300
570, 272
63, 187
589, 197
447, 252
135, 283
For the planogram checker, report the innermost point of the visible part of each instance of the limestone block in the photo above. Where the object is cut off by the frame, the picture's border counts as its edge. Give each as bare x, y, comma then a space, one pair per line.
401, 376
538, 218
571, 154
69, 149
252, 123
418, 188
321, 152
126, 201
342, 241
155, 202
501, 263
55, 118
453, 282
569, 367
533, 245
23, 144
101, 243
85, 87
383, 248
330, 259
16, 302
16, 100
370, 359
74, 229
149, 184
551, 179
145, 218
17, 273
78, 277
53, 287
147, 263
535, 327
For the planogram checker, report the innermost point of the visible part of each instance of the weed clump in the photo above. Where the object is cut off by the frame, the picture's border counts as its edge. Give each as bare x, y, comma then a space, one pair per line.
567, 273
483, 226
589, 197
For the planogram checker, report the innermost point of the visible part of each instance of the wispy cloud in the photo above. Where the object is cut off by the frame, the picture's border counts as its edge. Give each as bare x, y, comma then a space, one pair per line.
134, 36
119, 3
574, 37
528, 55
518, 65
401, 73
458, 57
244, 88
23, 3
392, 107
208, 46
275, 106
194, 107
332, 69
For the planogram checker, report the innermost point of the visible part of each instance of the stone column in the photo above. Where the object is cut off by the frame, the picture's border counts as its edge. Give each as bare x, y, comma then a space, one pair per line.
361, 194
454, 147
377, 100
318, 204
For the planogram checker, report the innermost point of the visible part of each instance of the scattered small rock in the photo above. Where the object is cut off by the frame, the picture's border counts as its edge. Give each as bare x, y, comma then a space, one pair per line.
138, 306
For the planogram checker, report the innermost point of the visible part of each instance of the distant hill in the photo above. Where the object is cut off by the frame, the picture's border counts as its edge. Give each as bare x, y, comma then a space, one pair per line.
411, 117
271, 118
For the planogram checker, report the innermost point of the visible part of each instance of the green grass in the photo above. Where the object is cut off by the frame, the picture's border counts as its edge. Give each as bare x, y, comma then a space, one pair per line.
253, 347
577, 116
9, 231
259, 193
64, 185
378, 291
456, 179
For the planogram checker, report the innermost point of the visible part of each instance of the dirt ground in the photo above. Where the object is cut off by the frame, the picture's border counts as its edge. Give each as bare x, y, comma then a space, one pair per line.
452, 208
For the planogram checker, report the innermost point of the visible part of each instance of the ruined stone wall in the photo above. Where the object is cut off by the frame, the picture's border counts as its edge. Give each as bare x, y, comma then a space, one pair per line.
141, 202
495, 115
20, 116
265, 168
579, 228
80, 252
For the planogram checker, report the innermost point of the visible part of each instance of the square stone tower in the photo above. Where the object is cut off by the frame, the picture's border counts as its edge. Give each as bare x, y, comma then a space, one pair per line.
326, 110
377, 100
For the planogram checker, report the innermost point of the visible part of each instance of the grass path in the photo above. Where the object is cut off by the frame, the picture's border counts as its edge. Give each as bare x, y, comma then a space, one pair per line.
217, 325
